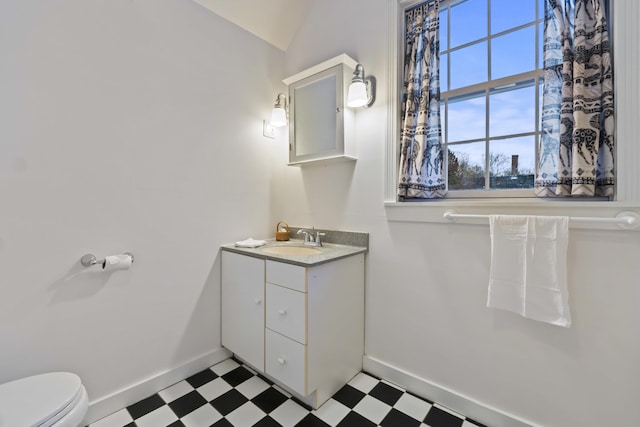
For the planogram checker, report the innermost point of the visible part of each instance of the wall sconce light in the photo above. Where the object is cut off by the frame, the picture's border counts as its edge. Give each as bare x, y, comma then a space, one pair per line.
362, 90
279, 112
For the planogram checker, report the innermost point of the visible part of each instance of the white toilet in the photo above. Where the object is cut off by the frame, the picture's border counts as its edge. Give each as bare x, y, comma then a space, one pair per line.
56, 399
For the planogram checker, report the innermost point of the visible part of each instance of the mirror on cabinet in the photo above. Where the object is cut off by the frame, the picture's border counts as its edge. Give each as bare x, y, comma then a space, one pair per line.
321, 129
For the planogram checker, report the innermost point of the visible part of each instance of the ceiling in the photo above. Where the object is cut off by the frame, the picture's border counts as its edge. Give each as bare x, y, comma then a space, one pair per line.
275, 21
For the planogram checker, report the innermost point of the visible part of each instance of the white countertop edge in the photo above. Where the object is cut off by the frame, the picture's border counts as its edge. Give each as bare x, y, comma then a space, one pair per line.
331, 252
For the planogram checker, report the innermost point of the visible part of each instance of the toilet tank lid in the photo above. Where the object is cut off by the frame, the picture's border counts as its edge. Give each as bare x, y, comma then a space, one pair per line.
32, 400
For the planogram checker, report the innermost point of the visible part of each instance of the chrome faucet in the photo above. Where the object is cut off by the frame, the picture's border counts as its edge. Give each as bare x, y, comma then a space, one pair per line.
307, 235
309, 239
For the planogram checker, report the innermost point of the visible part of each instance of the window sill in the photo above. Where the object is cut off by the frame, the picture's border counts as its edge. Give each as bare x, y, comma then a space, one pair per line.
433, 211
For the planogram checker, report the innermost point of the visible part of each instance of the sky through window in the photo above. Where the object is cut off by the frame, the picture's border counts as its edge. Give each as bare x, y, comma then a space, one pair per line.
490, 67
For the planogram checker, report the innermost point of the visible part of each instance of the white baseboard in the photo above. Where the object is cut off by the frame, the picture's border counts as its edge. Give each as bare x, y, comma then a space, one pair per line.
462, 404
107, 405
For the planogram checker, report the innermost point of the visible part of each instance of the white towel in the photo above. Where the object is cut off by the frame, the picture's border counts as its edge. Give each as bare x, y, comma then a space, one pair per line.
529, 267
250, 243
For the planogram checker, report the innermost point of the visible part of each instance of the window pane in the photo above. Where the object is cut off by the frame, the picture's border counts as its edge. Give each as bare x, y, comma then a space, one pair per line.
444, 77
506, 14
469, 65
467, 117
512, 163
513, 53
466, 166
512, 110
443, 30
468, 21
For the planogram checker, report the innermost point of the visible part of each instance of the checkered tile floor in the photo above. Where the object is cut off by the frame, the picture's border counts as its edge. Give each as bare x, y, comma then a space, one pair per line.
231, 394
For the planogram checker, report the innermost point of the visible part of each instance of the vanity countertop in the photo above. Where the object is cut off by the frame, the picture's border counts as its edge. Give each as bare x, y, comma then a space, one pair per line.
329, 252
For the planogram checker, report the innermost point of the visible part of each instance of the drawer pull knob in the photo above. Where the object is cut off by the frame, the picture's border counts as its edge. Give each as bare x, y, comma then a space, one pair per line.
258, 301
282, 361
282, 312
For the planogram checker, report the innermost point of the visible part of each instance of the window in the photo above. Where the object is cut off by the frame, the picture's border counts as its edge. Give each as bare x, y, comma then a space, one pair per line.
490, 81
483, 73
624, 34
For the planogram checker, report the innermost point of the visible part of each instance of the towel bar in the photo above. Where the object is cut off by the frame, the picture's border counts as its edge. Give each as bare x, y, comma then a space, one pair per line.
626, 220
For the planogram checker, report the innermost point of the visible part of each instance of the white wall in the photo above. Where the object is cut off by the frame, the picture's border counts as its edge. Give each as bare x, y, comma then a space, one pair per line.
426, 307
125, 126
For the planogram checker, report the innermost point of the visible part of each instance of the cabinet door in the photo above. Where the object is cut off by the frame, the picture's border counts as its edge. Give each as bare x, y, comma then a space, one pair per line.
243, 307
316, 107
316, 116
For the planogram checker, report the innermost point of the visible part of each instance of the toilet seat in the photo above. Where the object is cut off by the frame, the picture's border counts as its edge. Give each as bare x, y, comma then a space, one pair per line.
52, 399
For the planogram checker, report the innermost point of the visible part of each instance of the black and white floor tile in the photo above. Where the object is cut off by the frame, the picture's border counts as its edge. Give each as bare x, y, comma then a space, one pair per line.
232, 394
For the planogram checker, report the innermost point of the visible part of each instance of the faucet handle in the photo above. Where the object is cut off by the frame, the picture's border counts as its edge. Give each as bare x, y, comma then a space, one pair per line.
318, 235
307, 235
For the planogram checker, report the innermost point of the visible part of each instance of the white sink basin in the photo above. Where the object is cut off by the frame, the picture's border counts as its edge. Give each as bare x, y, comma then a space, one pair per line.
291, 250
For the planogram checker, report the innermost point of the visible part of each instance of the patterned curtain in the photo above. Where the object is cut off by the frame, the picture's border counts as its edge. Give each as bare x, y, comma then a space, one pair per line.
421, 153
577, 144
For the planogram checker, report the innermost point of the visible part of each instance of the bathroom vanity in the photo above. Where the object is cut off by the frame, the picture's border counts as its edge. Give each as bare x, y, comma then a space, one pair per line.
297, 319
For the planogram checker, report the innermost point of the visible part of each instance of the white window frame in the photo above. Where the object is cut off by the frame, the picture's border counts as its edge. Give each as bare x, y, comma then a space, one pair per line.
626, 14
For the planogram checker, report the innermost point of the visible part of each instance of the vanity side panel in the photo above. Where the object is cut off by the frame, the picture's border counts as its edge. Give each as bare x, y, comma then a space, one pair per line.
335, 324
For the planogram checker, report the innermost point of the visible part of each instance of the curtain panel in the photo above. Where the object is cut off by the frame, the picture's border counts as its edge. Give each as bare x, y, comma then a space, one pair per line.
576, 147
421, 152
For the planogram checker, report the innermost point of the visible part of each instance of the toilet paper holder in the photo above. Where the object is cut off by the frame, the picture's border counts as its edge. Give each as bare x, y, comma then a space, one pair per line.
90, 259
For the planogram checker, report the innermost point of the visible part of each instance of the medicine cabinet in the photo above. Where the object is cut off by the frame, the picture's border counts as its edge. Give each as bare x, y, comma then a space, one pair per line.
321, 128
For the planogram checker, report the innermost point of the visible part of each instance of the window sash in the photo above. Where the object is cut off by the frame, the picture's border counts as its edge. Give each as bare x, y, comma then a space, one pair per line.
488, 88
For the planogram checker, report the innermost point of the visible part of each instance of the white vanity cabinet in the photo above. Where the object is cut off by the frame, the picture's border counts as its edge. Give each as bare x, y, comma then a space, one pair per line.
312, 327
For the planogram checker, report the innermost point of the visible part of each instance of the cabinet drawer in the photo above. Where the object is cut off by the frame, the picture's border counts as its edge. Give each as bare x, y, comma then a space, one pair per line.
286, 312
287, 275
285, 360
